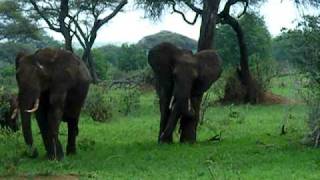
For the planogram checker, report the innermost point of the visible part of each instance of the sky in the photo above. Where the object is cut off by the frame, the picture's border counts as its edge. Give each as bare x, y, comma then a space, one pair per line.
130, 26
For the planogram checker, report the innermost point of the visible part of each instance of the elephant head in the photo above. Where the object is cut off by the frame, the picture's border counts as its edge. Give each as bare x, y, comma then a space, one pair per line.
181, 76
30, 75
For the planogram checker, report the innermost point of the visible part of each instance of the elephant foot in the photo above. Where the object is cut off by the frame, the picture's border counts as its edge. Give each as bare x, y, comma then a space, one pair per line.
187, 141
188, 137
32, 152
71, 150
56, 153
55, 156
164, 139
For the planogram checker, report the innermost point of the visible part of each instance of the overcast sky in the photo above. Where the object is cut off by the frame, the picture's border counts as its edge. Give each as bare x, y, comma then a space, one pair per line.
130, 26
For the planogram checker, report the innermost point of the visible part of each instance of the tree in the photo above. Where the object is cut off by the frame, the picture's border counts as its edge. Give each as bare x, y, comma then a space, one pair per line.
19, 33
210, 17
257, 37
14, 26
77, 18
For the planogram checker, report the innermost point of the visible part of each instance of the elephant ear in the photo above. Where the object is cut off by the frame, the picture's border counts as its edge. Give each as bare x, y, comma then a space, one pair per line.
19, 56
209, 69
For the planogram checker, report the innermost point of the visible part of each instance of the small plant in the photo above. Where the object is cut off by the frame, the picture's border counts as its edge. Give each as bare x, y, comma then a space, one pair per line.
98, 105
11, 151
129, 100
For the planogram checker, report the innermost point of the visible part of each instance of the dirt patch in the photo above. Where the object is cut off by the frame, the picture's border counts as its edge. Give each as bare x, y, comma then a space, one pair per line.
42, 177
270, 98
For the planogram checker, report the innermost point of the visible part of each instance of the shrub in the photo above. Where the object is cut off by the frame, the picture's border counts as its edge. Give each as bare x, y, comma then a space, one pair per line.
129, 100
98, 105
4, 104
11, 152
263, 70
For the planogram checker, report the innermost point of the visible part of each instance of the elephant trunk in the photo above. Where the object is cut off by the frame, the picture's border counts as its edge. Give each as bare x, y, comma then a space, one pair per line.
28, 103
184, 107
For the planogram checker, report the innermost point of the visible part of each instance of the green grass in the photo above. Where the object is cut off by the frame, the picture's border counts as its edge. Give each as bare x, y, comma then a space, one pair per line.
126, 148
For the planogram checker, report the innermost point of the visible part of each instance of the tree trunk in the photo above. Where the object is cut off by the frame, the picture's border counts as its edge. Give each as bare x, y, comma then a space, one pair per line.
87, 58
68, 42
253, 90
65, 31
208, 24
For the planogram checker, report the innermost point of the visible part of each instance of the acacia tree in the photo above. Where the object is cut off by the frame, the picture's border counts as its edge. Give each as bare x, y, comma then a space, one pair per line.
81, 19
209, 18
14, 26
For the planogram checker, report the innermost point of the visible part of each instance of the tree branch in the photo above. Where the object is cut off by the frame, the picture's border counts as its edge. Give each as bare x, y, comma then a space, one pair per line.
45, 18
183, 15
194, 8
101, 22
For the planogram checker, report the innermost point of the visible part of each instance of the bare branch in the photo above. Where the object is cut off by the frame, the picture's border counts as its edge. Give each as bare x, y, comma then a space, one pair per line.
194, 8
78, 28
44, 17
226, 10
183, 15
101, 22
246, 4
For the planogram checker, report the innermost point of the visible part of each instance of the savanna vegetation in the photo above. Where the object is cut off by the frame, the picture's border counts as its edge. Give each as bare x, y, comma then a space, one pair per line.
277, 138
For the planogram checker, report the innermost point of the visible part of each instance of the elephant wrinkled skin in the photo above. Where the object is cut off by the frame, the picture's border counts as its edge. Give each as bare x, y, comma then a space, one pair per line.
52, 83
181, 80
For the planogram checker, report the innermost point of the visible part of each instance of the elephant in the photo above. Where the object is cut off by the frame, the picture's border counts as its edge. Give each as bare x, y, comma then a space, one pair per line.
9, 112
53, 84
181, 80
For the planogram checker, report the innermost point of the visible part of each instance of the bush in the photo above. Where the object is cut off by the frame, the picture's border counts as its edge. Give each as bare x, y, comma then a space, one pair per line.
263, 70
129, 100
7, 76
98, 105
12, 149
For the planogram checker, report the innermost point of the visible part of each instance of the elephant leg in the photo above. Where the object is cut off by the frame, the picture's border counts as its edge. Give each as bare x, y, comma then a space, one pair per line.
27, 135
170, 125
74, 102
41, 116
189, 125
164, 102
54, 117
72, 134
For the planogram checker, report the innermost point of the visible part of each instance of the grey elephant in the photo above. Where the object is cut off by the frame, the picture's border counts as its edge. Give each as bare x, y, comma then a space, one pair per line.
181, 80
53, 84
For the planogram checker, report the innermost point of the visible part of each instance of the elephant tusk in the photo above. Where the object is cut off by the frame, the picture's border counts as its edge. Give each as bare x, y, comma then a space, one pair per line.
14, 113
189, 104
35, 108
171, 102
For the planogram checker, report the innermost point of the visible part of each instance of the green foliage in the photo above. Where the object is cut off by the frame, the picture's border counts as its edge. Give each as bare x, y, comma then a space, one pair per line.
103, 103
98, 104
131, 58
14, 25
166, 36
257, 37
263, 70
4, 103
11, 158
129, 100
301, 46
101, 63
116, 61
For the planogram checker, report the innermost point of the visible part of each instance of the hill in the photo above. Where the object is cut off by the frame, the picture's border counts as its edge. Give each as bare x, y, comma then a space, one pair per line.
166, 36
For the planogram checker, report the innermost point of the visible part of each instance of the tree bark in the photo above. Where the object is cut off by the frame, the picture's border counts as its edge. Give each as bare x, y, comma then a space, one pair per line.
65, 31
87, 58
253, 90
208, 24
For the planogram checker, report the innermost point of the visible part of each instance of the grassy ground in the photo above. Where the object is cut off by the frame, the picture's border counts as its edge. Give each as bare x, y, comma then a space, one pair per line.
126, 148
